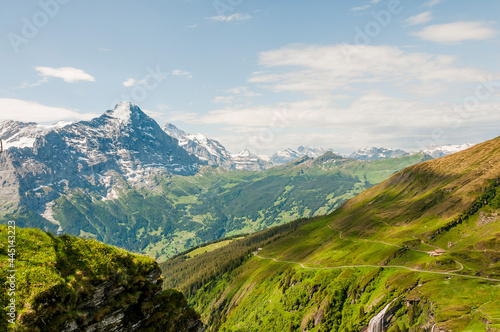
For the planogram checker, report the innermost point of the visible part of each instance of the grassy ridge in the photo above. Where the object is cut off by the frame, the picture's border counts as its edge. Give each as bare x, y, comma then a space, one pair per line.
59, 279
373, 251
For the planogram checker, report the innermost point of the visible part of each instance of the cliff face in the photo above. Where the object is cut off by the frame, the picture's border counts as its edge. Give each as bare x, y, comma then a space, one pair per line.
70, 284
114, 305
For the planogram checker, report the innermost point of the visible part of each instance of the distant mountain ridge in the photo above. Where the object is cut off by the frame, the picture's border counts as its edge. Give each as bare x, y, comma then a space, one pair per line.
211, 152
201, 146
439, 151
245, 160
373, 153
287, 155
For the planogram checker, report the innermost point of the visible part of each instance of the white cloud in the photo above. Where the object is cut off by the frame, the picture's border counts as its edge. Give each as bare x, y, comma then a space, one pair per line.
375, 1
162, 107
361, 8
223, 99
453, 33
68, 74
237, 17
30, 85
432, 3
193, 26
177, 72
420, 18
374, 118
330, 69
239, 93
243, 90
129, 82
21, 110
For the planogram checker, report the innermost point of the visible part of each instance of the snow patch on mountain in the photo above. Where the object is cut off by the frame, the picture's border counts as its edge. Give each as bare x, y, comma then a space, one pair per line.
444, 150
373, 153
246, 160
122, 112
287, 155
204, 148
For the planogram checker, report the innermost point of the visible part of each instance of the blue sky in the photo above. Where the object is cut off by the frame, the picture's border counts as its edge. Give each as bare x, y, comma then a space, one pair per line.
261, 74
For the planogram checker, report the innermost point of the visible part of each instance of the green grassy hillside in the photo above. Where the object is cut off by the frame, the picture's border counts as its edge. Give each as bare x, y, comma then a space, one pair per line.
337, 272
69, 283
179, 212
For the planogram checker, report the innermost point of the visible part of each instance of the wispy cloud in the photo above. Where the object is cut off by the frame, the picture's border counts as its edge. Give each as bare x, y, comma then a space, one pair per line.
238, 93
371, 117
360, 8
421, 18
325, 69
457, 32
237, 17
244, 91
192, 26
223, 99
25, 85
162, 107
22, 110
178, 72
68, 74
433, 3
129, 82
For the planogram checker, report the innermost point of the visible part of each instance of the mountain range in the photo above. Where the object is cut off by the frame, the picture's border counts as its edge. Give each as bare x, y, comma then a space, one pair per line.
123, 180
210, 151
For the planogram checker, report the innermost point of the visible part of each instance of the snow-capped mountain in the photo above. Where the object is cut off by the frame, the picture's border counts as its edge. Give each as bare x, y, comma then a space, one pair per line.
245, 160
444, 150
22, 134
287, 155
201, 146
121, 147
372, 153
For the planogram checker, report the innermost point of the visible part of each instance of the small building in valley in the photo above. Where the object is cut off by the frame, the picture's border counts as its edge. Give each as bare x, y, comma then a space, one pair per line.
437, 252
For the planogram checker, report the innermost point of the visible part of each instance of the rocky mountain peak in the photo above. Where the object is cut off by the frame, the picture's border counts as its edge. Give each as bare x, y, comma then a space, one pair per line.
173, 131
126, 113
123, 111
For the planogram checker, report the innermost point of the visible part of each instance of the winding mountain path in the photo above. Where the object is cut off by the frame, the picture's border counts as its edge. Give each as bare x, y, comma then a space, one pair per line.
379, 266
373, 241
447, 273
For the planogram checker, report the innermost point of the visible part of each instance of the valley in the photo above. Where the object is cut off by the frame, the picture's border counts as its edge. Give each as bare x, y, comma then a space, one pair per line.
371, 252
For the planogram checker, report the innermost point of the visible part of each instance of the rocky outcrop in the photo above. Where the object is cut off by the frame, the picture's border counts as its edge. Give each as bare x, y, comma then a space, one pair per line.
134, 304
102, 313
